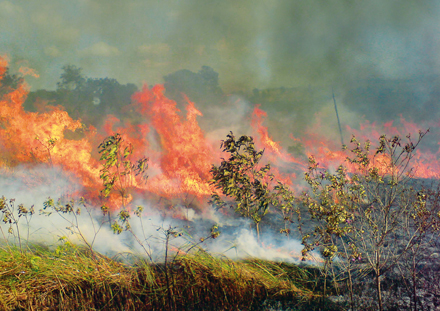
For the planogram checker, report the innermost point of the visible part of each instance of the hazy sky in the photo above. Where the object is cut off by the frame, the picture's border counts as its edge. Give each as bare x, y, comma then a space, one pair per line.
250, 43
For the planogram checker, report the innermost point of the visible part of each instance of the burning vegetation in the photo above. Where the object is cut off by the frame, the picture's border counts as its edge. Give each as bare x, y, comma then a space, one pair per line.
367, 214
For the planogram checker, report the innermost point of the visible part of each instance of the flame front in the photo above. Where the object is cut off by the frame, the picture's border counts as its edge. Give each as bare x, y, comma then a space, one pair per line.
180, 167
180, 154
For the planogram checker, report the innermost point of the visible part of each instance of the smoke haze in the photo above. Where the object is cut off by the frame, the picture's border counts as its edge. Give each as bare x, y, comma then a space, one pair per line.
250, 43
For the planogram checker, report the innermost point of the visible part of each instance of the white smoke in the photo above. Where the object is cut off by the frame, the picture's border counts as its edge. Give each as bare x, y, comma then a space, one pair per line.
148, 233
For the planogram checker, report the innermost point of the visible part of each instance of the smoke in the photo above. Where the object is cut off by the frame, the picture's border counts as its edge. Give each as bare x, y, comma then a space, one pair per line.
32, 185
251, 44
244, 244
148, 232
233, 116
92, 226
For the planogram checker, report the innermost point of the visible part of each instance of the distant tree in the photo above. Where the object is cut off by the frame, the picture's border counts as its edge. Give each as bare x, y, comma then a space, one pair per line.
9, 82
108, 94
210, 79
34, 98
71, 78
89, 99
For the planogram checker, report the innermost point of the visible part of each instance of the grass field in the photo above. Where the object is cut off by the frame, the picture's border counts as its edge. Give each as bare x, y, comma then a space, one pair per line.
72, 278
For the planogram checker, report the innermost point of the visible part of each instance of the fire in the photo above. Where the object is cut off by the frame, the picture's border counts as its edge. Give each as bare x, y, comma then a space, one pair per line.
3, 66
180, 167
275, 152
257, 120
272, 148
329, 154
176, 250
186, 156
180, 154
425, 162
30, 138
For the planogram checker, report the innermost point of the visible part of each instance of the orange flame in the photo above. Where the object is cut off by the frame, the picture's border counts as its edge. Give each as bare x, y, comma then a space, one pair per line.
28, 137
180, 154
274, 151
186, 157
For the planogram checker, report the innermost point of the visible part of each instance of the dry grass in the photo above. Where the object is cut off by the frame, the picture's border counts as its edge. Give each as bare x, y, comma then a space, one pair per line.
71, 278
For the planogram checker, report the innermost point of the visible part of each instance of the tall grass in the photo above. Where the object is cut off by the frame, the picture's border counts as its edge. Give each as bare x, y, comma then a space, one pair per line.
70, 278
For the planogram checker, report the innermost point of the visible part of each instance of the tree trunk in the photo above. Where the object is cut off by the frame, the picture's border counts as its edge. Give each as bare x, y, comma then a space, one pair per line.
414, 285
351, 288
377, 272
379, 293
258, 231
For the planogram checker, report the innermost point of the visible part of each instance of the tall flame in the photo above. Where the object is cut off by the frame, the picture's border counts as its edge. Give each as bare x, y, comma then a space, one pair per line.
180, 154
186, 156
30, 138
179, 167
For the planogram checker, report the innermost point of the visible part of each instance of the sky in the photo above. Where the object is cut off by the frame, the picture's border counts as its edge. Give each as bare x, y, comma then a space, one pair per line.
250, 43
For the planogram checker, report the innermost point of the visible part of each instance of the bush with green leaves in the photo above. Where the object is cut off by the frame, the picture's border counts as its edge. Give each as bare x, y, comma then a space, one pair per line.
119, 172
243, 180
369, 214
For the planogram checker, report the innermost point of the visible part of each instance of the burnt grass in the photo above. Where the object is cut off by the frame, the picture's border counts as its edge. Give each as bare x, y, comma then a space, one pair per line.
401, 288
